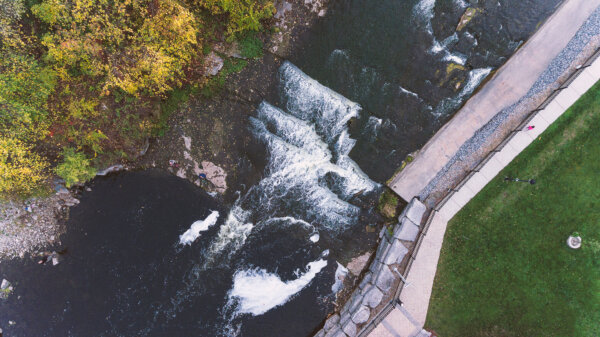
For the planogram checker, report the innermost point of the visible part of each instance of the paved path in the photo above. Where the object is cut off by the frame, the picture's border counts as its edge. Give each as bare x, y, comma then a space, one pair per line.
511, 82
408, 319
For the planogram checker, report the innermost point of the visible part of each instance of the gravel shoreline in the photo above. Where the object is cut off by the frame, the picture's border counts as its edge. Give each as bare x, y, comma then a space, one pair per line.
582, 45
30, 225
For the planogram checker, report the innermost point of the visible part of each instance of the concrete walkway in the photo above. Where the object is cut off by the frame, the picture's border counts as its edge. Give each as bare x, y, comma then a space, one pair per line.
408, 319
511, 82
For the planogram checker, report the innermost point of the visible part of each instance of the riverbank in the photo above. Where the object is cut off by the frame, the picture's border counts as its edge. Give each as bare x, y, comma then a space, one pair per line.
204, 135
210, 135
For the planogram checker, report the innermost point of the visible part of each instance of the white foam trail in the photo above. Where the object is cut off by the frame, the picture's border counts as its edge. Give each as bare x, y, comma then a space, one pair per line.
308, 100
461, 3
408, 92
193, 233
340, 274
234, 231
475, 77
447, 56
467, 34
448, 104
424, 10
258, 291
455, 58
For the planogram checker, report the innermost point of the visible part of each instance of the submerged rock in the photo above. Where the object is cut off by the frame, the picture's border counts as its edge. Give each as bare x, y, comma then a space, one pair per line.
55, 258
5, 289
467, 16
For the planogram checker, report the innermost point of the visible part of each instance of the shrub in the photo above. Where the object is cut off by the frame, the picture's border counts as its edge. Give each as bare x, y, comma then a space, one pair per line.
244, 15
22, 171
75, 167
251, 46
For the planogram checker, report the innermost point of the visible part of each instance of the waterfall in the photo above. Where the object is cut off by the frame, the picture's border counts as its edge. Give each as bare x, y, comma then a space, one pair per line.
309, 177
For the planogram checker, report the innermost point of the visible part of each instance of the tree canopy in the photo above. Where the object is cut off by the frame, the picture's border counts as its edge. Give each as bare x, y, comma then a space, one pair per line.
88, 75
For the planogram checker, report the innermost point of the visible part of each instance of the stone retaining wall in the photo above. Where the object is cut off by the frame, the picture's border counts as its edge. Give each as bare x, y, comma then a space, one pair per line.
378, 285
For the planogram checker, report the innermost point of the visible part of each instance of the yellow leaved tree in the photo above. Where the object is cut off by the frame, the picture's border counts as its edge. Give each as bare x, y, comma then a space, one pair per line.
22, 171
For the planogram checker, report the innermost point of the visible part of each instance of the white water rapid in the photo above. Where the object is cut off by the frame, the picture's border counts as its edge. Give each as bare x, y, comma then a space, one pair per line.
193, 233
309, 177
258, 291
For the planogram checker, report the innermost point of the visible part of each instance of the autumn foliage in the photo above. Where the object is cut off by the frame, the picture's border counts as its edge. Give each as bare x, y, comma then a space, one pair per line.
89, 75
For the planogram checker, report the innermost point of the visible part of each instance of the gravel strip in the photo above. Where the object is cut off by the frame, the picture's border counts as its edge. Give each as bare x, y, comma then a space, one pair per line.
585, 42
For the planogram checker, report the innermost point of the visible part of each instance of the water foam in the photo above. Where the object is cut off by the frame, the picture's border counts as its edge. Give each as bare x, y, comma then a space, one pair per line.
475, 78
193, 233
258, 291
473, 81
308, 148
340, 274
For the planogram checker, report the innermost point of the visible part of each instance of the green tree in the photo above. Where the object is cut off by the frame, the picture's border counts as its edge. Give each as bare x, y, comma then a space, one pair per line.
75, 167
25, 86
243, 15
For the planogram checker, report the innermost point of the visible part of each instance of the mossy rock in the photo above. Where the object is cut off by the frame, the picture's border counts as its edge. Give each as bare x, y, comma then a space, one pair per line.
467, 16
388, 204
450, 69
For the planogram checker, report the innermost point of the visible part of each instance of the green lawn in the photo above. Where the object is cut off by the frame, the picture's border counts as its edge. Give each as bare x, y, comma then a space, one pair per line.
505, 268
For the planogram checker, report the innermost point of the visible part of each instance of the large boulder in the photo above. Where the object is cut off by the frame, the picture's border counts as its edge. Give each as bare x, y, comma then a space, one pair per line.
373, 297
396, 253
385, 279
350, 329
213, 64
407, 230
414, 211
331, 322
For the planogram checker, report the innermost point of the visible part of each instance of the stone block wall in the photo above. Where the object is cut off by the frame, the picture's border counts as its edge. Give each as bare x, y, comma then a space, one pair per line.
379, 284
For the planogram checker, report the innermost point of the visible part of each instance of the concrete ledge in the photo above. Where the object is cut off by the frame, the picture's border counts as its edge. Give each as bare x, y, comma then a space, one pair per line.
415, 300
510, 83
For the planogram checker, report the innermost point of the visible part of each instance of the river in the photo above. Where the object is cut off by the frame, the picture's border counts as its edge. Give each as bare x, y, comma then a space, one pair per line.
149, 254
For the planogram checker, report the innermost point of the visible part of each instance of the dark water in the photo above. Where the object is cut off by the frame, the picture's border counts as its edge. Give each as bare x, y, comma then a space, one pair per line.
124, 273
392, 57
260, 271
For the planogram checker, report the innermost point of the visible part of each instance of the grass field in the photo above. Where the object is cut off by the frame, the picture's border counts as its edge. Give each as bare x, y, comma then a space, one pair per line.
505, 268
